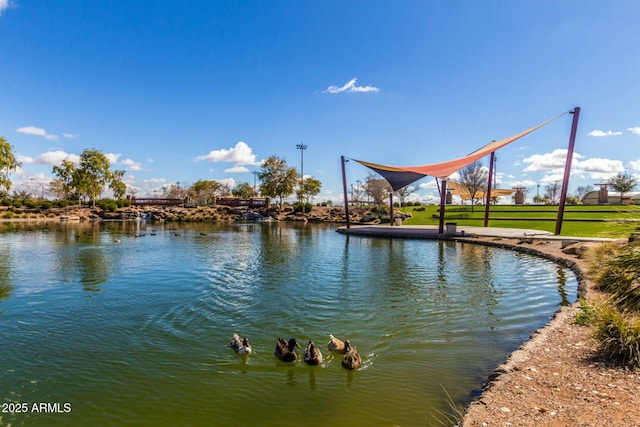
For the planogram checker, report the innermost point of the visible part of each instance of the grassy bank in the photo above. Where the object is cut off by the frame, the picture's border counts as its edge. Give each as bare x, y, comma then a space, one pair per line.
611, 221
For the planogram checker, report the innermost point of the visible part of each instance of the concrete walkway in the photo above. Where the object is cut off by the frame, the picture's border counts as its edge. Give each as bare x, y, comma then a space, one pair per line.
431, 232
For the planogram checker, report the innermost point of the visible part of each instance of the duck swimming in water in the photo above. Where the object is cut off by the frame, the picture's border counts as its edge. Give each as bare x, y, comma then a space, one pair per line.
240, 345
336, 345
351, 359
312, 354
285, 350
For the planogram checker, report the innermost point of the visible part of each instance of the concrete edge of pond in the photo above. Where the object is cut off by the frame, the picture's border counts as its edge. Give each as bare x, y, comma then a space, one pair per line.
432, 232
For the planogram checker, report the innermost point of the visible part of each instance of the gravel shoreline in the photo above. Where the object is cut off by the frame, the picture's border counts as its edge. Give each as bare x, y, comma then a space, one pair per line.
557, 377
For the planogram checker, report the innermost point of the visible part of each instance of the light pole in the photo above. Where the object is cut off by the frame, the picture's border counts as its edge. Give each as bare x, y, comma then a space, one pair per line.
301, 147
255, 175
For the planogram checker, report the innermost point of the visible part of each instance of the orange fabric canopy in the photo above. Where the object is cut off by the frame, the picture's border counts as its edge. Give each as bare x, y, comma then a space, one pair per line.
401, 176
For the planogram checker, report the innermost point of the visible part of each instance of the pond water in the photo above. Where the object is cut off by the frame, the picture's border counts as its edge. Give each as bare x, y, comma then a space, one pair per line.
128, 323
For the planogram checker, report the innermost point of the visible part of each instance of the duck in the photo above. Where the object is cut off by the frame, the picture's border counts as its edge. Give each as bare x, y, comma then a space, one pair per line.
240, 345
336, 345
312, 354
285, 350
351, 359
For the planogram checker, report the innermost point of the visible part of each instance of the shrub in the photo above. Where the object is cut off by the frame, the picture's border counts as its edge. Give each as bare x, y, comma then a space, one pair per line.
620, 276
46, 205
586, 315
598, 255
619, 335
8, 215
6, 202
30, 204
17, 204
302, 207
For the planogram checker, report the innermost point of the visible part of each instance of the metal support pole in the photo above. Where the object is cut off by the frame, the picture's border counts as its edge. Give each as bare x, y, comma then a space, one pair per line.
391, 208
567, 169
442, 204
344, 189
488, 202
301, 147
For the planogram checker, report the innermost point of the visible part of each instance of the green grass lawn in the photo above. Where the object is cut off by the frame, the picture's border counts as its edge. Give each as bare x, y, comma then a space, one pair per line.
614, 221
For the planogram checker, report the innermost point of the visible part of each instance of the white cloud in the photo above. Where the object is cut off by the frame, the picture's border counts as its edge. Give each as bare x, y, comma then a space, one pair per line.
52, 158
635, 130
229, 181
351, 87
551, 178
553, 165
134, 166
601, 133
526, 183
156, 181
635, 165
237, 169
113, 158
241, 154
24, 159
32, 130
598, 168
4, 5
548, 161
428, 185
69, 135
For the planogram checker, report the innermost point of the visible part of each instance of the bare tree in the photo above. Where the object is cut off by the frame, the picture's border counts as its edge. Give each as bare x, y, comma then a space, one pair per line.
552, 192
474, 178
378, 189
582, 191
405, 192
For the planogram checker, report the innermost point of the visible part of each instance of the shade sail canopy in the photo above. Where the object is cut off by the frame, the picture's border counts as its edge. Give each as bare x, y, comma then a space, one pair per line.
461, 190
401, 176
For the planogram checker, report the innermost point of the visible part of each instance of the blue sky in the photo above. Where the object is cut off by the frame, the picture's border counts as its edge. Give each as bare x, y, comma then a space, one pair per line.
183, 91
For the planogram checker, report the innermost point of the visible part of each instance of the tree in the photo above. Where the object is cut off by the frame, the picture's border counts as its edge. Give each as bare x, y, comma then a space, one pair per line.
552, 192
623, 183
8, 163
276, 178
174, 191
92, 174
582, 191
474, 178
310, 188
204, 191
243, 190
116, 184
538, 200
62, 186
404, 192
378, 189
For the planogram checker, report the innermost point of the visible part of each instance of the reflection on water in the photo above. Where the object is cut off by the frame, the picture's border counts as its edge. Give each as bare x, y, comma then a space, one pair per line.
152, 343
562, 284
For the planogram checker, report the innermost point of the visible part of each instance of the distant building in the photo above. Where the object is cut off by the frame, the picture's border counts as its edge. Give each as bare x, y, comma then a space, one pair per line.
603, 197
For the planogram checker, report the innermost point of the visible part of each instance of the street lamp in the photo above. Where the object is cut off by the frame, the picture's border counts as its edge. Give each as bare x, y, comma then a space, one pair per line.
301, 147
